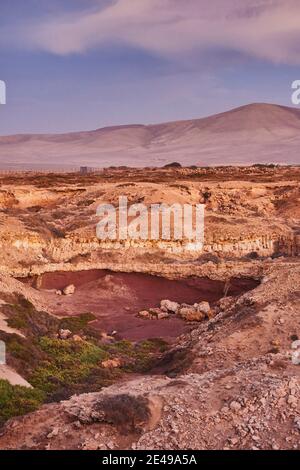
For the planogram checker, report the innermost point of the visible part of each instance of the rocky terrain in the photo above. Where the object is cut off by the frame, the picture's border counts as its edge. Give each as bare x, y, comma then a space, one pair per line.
255, 133
219, 352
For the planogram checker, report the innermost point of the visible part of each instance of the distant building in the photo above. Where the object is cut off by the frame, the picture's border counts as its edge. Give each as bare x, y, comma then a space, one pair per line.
84, 170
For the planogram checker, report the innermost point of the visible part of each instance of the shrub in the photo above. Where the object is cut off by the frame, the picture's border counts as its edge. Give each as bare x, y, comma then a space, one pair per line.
173, 165
77, 324
68, 363
17, 400
140, 357
126, 411
60, 368
23, 315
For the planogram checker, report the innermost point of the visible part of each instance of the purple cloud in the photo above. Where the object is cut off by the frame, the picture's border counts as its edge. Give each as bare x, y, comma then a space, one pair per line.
264, 29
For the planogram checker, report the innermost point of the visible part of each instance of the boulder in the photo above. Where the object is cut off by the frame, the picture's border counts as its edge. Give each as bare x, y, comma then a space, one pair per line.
144, 314
64, 334
106, 338
296, 352
235, 406
162, 315
164, 309
69, 290
187, 305
53, 433
111, 363
191, 314
155, 312
169, 306
77, 338
204, 307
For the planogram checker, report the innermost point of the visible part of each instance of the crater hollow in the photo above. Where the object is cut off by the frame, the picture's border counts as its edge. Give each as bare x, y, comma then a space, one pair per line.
115, 298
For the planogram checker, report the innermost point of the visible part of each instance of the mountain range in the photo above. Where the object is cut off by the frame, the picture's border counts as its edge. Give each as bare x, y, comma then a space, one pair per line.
254, 133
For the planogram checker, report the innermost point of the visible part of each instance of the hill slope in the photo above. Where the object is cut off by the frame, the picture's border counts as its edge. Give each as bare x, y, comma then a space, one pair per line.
255, 133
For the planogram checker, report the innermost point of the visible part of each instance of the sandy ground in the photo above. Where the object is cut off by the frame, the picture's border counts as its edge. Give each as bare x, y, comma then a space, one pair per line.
7, 373
116, 298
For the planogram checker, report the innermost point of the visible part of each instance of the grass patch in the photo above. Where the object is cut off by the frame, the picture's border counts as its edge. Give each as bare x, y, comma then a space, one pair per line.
139, 357
17, 400
78, 324
23, 316
76, 367
58, 369
68, 364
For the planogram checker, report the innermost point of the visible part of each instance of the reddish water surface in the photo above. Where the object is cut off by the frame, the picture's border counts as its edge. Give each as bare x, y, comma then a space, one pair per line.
116, 298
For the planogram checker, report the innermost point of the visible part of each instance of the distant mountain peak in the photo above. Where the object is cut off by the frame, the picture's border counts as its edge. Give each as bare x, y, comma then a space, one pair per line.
253, 133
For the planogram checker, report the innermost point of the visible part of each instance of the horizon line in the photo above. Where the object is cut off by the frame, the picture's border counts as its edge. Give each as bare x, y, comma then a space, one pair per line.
135, 124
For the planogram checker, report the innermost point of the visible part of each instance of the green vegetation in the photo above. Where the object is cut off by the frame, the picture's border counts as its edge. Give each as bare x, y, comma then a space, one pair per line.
68, 363
139, 357
76, 367
78, 324
17, 400
59, 368
22, 315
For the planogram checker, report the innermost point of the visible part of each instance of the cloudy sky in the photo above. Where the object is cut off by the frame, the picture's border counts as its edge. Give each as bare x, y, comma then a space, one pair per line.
83, 64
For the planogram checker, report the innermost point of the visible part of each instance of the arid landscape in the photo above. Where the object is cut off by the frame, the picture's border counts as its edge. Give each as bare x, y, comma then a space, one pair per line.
255, 133
143, 344
149, 232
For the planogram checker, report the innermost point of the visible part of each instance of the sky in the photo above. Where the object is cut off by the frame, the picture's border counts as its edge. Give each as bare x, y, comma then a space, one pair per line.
73, 65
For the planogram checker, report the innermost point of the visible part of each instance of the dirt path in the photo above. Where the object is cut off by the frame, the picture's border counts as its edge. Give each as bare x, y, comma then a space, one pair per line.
6, 373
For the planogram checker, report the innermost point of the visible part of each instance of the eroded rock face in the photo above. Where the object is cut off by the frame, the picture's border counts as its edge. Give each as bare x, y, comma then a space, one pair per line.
255, 214
225, 303
233, 377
